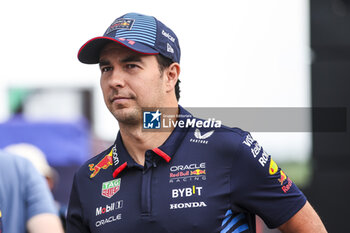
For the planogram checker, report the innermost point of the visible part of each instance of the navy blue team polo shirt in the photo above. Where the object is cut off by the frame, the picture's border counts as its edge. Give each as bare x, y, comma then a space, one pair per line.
200, 180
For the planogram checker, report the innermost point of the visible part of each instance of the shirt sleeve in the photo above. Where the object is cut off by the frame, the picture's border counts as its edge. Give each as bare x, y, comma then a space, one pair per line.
75, 222
37, 195
259, 186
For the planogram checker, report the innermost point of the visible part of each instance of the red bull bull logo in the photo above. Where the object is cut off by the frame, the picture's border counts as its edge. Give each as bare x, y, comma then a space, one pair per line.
198, 172
121, 24
283, 177
102, 164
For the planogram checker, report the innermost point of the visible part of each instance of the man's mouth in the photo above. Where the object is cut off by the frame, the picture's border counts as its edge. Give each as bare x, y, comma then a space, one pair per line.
120, 99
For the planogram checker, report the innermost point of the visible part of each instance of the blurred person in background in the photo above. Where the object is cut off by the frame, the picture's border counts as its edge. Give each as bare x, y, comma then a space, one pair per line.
38, 159
25, 199
0, 222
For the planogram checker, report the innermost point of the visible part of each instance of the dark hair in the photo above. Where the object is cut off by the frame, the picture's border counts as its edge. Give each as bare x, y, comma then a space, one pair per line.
163, 63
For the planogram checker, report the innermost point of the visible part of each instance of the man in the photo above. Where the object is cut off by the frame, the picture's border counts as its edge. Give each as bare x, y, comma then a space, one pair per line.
37, 157
186, 178
25, 200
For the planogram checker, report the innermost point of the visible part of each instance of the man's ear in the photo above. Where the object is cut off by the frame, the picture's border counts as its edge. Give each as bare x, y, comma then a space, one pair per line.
172, 75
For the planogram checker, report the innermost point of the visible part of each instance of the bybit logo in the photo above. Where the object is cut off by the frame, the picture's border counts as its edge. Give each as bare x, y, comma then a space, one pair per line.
186, 192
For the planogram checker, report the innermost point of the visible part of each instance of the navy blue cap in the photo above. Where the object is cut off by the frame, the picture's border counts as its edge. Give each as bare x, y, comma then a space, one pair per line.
141, 33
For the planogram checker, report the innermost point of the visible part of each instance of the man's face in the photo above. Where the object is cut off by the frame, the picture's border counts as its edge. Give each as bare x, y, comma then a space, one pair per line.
130, 81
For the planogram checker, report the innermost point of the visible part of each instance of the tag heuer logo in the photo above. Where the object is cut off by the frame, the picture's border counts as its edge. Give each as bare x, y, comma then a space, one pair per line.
110, 188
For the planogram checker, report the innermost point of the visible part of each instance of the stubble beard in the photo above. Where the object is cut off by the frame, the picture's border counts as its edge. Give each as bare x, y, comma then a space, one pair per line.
128, 116
128, 113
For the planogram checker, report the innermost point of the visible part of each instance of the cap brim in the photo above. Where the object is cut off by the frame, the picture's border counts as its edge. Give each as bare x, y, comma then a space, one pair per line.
89, 53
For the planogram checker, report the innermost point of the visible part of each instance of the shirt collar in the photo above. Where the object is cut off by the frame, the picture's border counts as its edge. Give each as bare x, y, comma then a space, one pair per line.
122, 159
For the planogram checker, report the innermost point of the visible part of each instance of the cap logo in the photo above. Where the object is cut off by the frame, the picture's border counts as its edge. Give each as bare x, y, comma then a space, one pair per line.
121, 24
167, 35
169, 48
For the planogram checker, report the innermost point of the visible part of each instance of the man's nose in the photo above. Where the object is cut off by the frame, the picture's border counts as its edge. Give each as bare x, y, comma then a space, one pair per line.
117, 78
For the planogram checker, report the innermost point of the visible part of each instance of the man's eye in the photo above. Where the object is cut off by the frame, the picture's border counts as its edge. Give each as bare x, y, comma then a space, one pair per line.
130, 66
106, 69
